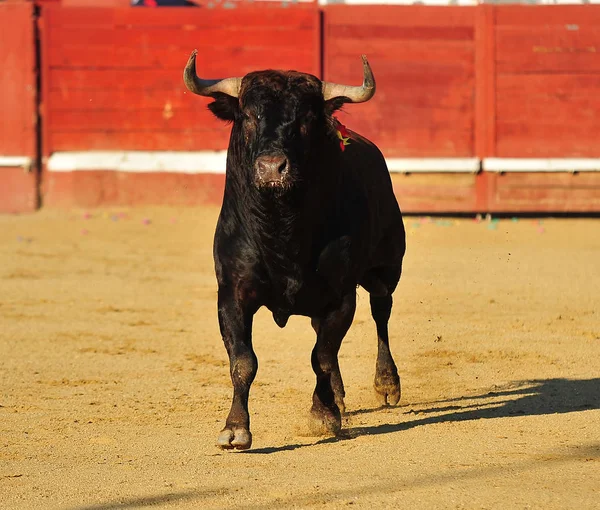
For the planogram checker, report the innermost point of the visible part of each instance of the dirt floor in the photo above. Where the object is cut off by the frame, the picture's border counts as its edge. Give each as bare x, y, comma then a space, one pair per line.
114, 382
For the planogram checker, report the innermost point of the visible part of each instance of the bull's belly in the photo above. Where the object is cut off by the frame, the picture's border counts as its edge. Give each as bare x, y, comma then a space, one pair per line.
312, 299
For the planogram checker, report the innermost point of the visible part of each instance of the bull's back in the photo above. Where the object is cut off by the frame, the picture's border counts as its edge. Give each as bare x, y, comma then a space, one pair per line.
372, 204
369, 173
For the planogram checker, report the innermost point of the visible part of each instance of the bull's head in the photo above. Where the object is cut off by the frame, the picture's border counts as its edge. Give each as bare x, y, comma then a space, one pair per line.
278, 117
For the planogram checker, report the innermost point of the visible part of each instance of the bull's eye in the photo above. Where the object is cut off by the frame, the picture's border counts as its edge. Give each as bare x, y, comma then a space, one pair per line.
252, 118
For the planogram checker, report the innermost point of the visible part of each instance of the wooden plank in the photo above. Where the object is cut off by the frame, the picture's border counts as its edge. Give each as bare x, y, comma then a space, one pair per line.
18, 96
555, 84
128, 99
190, 139
18, 190
433, 143
525, 49
140, 119
435, 192
484, 130
263, 15
43, 30
408, 116
550, 99
535, 192
425, 33
17, 80
347, 68
144, 39
78, 56
106, 188
550, 108
448, 55
548, 37
94, 3
485, 84
561, 15
399, 15
65, 80
557, 140
174, 96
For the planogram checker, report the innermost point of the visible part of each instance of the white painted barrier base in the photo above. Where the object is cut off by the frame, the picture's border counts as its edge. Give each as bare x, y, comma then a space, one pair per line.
15, 161
541, 165
214, 162
199, 162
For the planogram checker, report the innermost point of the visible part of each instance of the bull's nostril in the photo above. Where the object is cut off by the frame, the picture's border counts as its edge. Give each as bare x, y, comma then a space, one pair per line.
283, 167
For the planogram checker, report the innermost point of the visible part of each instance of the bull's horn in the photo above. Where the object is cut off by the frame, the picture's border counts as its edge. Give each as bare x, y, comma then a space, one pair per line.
356, 94
229, 86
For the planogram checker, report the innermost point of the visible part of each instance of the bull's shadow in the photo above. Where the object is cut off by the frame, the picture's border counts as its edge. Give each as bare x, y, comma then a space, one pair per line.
520, 398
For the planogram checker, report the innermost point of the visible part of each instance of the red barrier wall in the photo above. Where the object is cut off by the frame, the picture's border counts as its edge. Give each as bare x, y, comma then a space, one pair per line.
424, 59
547, 81
464, 83
485, 81
18, 104
112, 80
545, 104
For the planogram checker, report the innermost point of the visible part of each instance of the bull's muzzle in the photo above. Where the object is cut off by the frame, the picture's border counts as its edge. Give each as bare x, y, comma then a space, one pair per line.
272, 170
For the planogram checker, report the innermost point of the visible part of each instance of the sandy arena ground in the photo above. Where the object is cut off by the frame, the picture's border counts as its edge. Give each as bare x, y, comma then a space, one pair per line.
114, 381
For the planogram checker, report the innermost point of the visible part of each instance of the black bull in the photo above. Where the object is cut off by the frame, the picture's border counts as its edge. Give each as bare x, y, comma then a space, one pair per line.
306, 218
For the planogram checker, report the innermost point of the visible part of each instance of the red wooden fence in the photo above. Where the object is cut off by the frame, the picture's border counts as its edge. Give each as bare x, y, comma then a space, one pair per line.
113, 81
113, 76
425, 66
18, 107
490, 81
457, 87
546, 104
547, 81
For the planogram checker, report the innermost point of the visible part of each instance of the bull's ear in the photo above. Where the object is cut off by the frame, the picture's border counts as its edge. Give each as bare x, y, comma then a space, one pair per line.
225, 107
334, 104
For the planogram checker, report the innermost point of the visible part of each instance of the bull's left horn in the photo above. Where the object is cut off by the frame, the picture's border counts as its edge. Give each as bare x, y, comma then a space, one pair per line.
356, 94
229, 86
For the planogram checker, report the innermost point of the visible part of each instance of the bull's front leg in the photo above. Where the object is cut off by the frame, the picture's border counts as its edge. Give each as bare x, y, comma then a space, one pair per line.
235, 323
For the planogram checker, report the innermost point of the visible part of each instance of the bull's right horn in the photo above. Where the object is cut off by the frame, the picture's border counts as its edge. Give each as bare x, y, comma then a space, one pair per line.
229, 86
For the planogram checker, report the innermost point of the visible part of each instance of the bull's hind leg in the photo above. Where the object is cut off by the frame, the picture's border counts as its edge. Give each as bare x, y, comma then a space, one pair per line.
387, 381
235, 322
328, 397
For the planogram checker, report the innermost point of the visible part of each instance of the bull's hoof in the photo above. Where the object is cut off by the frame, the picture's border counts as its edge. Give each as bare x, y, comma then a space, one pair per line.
240, 439
324, 422
387, 389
